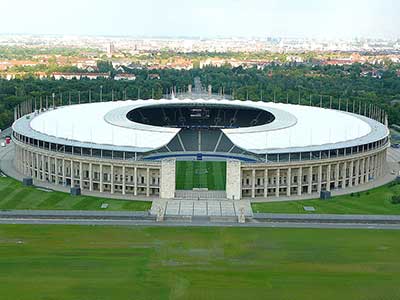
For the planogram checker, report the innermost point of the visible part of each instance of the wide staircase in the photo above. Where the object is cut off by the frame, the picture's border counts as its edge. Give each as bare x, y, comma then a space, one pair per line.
220, 210
200, 195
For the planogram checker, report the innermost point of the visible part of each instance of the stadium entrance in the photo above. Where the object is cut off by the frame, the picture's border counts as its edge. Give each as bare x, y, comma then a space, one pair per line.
201, 175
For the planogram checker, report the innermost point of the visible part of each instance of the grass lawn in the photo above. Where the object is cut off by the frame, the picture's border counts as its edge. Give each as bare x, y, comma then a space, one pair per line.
104, 263
376, 201
13, 195
200, 174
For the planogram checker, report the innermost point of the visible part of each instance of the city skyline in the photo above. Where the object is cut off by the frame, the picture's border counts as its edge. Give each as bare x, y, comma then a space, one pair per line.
205, 19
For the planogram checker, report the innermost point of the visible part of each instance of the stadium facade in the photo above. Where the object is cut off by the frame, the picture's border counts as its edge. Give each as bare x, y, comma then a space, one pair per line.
130, 147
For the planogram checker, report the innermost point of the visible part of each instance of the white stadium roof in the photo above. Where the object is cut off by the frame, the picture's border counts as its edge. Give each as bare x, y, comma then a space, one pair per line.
295, 128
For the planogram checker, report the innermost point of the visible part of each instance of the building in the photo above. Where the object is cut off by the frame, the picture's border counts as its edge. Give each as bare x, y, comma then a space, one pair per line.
69, 76
124, 76
271, 149
110, 49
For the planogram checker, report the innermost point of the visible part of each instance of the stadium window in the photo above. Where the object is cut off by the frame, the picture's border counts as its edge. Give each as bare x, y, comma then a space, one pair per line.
118, 154
316, 154
284, 157
68, 149
294, 156
96, 152
129, 155
86, 151
106, 153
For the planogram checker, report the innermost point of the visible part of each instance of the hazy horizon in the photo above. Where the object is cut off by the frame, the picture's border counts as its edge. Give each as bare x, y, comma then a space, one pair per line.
204, 19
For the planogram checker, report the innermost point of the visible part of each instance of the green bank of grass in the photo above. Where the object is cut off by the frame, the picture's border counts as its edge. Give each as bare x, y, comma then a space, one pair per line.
13, 195
103, 263
375, 201
200, 174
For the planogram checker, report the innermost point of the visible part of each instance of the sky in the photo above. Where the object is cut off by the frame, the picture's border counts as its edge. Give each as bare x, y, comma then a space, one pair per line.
204, 18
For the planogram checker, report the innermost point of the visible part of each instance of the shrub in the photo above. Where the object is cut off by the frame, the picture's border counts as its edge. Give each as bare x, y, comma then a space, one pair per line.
396, 199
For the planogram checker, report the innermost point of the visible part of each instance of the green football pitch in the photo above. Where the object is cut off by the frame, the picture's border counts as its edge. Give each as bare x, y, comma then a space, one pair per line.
201, 174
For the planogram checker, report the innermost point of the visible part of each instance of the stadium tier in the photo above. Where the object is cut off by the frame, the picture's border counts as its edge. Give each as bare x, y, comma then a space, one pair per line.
270, 149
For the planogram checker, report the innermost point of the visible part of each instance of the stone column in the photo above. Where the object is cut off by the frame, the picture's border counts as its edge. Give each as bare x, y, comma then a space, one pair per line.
101, 178
21, 161
278, 182
344, 175
167, 177
381, 164
148, 182
309, 188
49, 168
265, 183
357, 177
253, 183
43, 168
112, 179
362, 171
90, 176
123, 180
233, 180
72, 174
367, 169
56, 168
80, 175
351, 173
37, 166
63, 172
328, 178
289, 182
319, 186
32, 163
374, 166
135, 182
337, 175
300, 181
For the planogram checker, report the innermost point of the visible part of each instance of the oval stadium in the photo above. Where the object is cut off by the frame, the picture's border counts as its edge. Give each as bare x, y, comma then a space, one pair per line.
172, 148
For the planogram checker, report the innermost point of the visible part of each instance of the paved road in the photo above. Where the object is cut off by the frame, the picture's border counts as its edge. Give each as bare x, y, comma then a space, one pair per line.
102, 218
34, 221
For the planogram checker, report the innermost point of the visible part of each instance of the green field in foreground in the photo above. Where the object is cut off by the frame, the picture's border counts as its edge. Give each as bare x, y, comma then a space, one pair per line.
200, 174
375, 201
13, 195
104, 263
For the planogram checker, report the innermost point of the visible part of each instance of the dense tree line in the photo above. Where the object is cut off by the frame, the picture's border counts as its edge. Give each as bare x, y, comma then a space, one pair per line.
288, 83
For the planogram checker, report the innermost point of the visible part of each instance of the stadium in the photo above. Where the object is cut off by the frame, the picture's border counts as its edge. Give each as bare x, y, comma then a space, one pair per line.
200, 148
